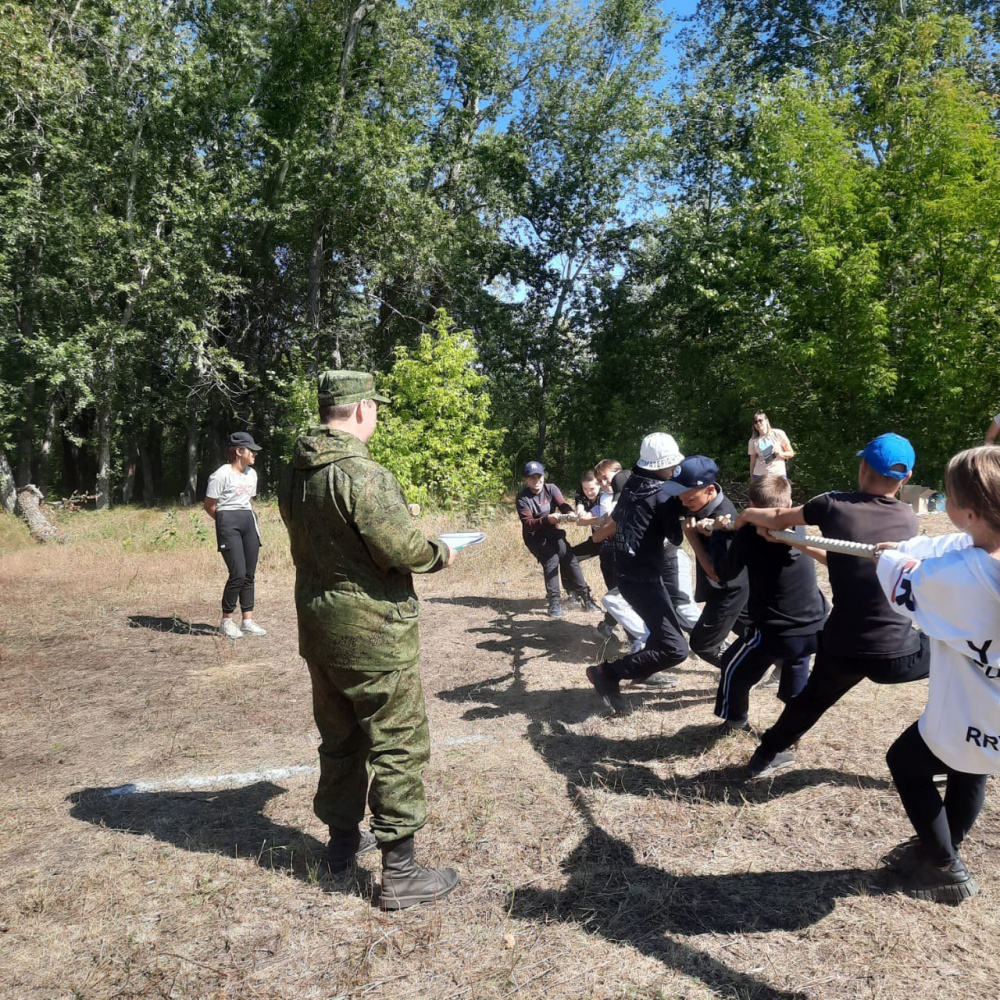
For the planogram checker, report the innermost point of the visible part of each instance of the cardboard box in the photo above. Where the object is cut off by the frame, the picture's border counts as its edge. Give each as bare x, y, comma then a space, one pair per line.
916, 497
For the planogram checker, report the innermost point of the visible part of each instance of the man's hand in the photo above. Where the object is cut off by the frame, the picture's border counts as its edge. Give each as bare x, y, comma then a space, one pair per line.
552, 518
451, 554
881, 547
690, 526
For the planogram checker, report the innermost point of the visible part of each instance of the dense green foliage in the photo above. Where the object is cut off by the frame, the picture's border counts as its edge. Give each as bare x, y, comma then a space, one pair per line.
792, 206
434, 435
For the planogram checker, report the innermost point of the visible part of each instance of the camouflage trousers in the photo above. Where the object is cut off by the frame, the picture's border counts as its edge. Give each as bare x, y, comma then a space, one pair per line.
375, 744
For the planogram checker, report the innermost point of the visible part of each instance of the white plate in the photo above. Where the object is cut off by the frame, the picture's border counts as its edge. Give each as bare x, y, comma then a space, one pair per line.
460, 539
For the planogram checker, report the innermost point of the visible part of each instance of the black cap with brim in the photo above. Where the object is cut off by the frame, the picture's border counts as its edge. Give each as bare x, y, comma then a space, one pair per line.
240, 439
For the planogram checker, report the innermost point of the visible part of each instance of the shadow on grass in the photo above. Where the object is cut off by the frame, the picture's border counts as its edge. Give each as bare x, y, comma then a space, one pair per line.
228, 822
616, 765
175, 625
508, 694
608, 893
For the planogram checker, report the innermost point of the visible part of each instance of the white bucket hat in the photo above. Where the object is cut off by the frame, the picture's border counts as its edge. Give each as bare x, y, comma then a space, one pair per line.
659, 451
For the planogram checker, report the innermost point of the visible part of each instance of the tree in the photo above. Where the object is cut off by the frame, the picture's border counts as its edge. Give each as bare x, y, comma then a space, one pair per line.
435, 435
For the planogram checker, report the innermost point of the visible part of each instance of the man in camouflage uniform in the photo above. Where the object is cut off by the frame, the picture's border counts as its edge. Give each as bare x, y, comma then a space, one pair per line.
355, 547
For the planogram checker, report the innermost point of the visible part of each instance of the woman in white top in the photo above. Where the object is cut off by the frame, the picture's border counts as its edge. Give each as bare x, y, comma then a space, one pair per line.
768, 449
950, 586
227, 502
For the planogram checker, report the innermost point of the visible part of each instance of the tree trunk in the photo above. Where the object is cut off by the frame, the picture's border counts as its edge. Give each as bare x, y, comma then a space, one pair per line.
29, 501
103, 455
146, 467
191, 451
45, 451
128, 480
26, 433
8, 492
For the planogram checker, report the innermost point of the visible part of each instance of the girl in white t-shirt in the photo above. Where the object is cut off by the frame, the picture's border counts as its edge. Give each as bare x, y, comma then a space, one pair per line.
950, 586
227, 502
768, 449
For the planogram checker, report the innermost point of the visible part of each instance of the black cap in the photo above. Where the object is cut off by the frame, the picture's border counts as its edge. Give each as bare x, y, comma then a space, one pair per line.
240, 439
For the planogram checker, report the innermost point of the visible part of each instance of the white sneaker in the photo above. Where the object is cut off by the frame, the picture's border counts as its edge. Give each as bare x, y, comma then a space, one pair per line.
230, 629
250, 627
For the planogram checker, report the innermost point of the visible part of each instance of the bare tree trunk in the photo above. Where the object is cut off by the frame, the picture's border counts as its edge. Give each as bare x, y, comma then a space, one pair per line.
103, 455
8, 492
128, 480
29, 501
45, 451
146, 466
191, 450
26, 433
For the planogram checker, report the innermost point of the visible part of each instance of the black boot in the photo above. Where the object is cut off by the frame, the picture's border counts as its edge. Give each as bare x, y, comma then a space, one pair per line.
586, 600
346, 846
405, 883
555, 608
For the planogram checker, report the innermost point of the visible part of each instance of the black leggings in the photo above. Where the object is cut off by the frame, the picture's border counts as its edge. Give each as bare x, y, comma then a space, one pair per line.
239, 543
940, 825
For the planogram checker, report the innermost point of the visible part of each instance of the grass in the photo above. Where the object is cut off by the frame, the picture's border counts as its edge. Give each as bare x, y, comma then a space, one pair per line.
599, 859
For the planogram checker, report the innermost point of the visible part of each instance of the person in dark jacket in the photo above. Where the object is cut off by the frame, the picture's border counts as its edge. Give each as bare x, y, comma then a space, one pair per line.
539, 505
643, 516
785, 608
723, 601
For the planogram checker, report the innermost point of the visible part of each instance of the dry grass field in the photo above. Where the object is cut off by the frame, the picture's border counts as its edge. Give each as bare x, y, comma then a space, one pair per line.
599, 858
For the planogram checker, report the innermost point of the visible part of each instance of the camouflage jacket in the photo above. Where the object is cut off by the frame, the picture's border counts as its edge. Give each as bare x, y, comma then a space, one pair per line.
355, 547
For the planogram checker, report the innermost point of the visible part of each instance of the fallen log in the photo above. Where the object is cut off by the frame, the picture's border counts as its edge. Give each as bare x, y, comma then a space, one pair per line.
29, 502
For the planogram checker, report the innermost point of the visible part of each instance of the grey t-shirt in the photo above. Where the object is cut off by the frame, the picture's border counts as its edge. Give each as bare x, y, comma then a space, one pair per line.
232, 489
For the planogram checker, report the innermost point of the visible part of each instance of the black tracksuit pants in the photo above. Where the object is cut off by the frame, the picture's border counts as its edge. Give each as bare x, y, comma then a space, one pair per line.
747, 659
940, 824
831, 678
666, 646
557, 559
239, 543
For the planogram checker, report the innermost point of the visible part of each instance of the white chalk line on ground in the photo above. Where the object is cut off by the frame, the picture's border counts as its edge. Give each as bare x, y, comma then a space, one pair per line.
193, 782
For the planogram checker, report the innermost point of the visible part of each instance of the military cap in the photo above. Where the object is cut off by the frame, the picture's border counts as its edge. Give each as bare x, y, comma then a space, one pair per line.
337, 388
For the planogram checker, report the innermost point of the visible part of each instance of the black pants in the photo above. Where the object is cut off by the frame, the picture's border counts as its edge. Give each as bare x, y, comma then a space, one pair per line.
588, 549
666, 646
832, 677
722, 611
557, 559
940, 824
239, 543
746, 661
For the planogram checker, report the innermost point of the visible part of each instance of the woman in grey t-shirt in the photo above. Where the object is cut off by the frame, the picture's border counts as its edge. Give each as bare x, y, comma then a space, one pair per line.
227, 502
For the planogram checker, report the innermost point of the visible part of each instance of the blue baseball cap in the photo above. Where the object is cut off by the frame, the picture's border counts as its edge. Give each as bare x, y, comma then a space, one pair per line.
696, 471
887, 450
534, 469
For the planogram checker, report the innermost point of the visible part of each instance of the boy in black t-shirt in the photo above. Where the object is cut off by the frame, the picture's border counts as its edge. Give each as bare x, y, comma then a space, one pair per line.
863, 637
785, 608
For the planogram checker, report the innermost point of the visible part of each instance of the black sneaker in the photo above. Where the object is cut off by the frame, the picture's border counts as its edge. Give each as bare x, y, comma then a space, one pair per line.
608, 688
952, 884
727, 727
762, 765
556, 609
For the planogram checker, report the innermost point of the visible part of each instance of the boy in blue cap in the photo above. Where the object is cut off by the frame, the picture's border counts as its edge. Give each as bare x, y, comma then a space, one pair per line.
863, 637
539, 505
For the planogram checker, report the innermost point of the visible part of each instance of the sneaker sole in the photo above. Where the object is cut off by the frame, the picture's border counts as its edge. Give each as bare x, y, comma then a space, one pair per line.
953, 894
